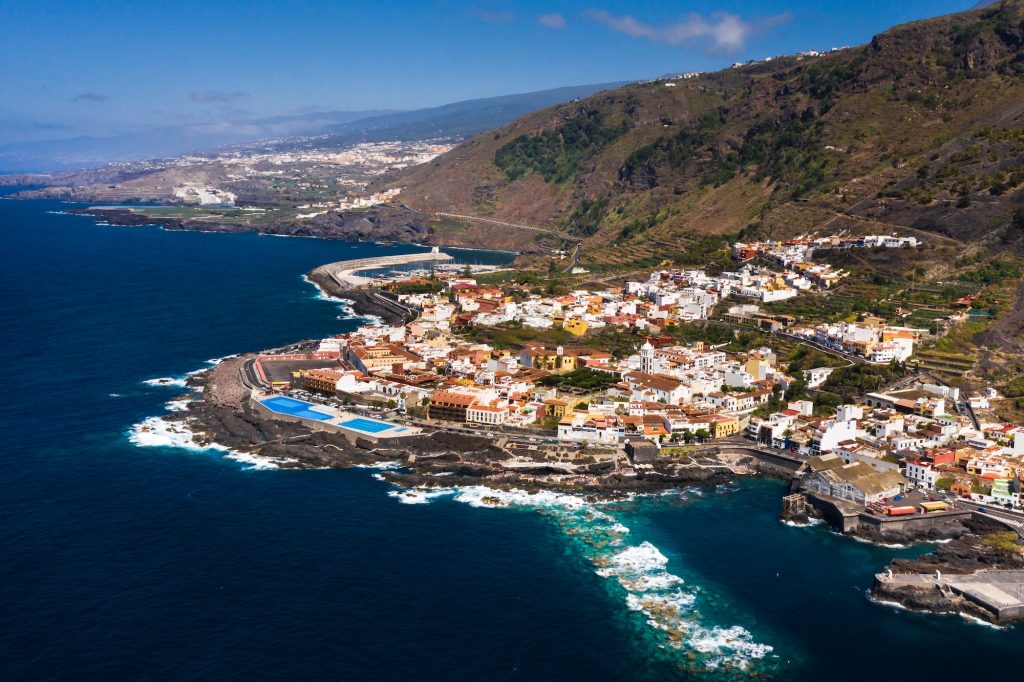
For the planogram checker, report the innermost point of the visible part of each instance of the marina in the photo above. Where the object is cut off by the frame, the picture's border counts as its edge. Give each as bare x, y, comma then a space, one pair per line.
345, 272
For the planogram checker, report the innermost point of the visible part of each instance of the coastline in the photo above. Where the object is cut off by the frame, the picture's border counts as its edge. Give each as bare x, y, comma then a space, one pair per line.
943, 581
216, 414
384, 223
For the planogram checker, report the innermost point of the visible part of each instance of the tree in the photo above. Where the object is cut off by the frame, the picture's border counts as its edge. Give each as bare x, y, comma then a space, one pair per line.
945, 483
703, 434
797, 389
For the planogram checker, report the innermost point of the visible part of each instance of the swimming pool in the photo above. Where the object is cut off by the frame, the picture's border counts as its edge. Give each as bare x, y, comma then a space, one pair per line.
294, 408
366, 425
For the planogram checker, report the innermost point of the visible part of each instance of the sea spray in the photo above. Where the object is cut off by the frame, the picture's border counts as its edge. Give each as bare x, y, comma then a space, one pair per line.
170, 431
347, 312
636, 571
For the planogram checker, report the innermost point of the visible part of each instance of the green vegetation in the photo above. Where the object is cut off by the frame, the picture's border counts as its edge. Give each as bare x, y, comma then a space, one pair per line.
675, 151
587, 216
836, 305
1007, 542
1014, 388
804, 357
710, 253
859, 379
825, 79
639, 225
713, 333
430, 286
580, 380
996, 272
556, 154
945, 483
789, 153
514, 336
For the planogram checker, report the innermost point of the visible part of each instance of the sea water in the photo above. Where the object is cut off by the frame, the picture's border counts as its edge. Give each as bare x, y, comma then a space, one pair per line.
130, 553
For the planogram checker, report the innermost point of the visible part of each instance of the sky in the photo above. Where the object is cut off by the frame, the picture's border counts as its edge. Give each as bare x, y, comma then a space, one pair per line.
97, 67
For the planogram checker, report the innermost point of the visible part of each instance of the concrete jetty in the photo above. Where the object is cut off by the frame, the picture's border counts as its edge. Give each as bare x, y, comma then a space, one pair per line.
344, 272
1000, 592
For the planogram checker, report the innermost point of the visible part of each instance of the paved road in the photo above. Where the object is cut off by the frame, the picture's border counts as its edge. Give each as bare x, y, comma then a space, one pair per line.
502, 223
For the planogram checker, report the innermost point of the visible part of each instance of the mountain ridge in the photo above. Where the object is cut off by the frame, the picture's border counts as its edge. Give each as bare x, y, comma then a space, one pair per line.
886, 135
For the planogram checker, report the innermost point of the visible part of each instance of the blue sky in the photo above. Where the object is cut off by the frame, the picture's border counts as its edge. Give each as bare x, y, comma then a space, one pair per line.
98, 67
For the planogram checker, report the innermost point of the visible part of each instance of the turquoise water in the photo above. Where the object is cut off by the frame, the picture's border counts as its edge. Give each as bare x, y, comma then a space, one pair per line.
367, 425
293, 407
125, 562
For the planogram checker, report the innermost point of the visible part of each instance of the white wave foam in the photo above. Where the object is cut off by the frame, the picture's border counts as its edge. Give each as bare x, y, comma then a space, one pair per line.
389, 465
733, 645
642, 557
178, 405
176, 382
811, 521
256, 461
974, 620
181, 380
482, 496
113, 395
640, 570
888, 545
161, 432
324, 296
175, 433
216, 361
885, 602
419, 495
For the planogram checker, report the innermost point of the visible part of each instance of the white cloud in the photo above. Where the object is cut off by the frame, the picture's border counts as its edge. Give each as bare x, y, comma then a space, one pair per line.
553, 20
723, 31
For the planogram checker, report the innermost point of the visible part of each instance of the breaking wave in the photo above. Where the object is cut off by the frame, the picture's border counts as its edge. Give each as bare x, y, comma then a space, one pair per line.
636, 570
162, 432
175, 382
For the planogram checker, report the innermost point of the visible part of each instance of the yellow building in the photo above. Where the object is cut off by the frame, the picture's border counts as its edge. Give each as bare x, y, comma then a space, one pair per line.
575, 326
553, 407
723, 426
318, 380
558, 360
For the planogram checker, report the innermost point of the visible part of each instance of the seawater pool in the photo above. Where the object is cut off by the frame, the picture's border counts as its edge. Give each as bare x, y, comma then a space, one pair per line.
366, 425
294, 407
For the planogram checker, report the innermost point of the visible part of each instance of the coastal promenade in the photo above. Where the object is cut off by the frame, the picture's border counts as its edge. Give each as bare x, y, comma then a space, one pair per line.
345, 272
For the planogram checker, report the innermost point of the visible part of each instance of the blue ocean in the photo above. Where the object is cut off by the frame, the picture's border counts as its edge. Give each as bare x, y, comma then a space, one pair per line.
161, 563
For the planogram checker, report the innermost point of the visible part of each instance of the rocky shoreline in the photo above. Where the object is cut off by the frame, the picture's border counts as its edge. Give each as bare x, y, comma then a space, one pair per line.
360, 301
983, 545
386, 223
221, 415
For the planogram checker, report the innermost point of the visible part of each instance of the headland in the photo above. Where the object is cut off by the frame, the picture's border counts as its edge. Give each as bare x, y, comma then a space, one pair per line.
451, 390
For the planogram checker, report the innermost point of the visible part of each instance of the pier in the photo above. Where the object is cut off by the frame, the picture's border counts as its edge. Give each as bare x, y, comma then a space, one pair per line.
344, 272
1000, 592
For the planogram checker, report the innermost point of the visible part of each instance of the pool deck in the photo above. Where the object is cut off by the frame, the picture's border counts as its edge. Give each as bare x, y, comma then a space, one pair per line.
326, 418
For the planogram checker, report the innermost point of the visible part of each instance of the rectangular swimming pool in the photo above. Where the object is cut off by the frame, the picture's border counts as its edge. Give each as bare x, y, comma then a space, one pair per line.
294, 408
366, 425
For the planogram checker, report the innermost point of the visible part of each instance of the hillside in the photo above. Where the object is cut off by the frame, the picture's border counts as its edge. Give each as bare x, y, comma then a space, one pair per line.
920, 131
455, 120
